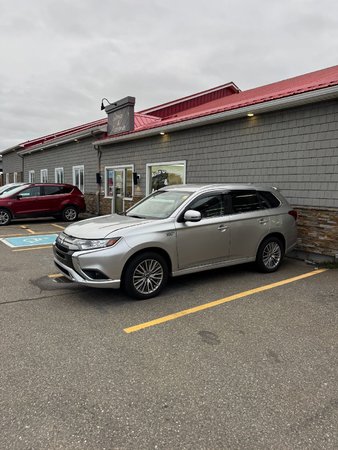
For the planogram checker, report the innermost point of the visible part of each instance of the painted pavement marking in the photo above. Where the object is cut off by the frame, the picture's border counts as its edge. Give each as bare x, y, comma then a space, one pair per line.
186, 312
30, 241
57, 226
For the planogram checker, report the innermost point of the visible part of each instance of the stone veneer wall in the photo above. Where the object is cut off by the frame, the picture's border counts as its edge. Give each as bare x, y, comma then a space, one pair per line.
105, 204
318, 231
91, 203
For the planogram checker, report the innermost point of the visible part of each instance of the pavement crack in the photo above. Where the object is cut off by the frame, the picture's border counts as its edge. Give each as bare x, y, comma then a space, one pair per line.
24, 300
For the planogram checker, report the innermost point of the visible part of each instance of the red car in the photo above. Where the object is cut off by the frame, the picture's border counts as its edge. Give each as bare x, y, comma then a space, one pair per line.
41, 200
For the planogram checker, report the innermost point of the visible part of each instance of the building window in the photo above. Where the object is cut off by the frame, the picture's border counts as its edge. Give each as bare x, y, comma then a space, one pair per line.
165, 174
31, 176
78, 177
59, 175
44, 176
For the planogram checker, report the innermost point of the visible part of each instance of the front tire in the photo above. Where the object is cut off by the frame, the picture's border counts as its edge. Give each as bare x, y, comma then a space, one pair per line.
5, 217
270, 255
70, 214
145, 276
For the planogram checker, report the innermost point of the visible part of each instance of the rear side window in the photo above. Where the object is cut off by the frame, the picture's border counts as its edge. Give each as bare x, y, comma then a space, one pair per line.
56, 190
268, 199
245, 201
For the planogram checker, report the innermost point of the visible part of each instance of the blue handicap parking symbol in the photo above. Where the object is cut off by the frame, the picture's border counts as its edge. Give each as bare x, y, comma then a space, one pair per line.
30, 241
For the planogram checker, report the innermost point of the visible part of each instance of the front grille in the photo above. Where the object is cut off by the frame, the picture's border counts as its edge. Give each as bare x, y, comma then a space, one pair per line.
63, 255
61, 247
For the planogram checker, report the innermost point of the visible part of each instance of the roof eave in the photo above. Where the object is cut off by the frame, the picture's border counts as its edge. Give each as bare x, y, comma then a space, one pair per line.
259, 108
60, 141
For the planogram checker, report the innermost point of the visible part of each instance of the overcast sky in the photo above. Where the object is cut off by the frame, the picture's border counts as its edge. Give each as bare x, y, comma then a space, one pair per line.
59, 58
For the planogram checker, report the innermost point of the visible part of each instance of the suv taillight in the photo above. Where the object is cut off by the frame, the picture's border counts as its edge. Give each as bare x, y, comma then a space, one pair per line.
293, 213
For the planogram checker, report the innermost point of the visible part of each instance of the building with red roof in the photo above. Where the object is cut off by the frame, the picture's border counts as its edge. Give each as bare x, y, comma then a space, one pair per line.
284, 134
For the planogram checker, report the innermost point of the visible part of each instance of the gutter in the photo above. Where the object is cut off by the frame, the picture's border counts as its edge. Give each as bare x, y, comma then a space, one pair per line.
259, 108
56, 142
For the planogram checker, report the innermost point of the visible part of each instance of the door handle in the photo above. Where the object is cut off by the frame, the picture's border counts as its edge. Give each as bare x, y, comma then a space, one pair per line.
263, 221
222, 228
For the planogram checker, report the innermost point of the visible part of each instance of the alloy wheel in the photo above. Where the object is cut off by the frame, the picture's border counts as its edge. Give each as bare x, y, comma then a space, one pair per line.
148, 276
4, 217
272, 255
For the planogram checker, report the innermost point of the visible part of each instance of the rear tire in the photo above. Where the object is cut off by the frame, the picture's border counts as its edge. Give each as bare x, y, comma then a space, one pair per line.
70, 214
270, 255
145, 276
5, 217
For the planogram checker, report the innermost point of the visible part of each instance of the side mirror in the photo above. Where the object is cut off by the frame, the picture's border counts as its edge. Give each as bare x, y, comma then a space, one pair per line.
19, 196
192, 216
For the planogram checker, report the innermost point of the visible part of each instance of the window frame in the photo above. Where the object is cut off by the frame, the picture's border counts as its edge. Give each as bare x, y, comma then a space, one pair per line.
42, 172
31, 176
81, 168
57, 171
149, 167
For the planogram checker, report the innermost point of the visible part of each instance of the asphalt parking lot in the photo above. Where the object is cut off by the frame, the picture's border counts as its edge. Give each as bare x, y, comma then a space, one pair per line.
228, 359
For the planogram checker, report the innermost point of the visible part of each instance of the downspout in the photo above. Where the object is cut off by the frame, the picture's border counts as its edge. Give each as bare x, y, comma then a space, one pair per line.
98, 179
23, 166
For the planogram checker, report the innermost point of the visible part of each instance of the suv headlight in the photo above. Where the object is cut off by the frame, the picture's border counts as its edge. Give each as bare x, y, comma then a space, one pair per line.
91, 244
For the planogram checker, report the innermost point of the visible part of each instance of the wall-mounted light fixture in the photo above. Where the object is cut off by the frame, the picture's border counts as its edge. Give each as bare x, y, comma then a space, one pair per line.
136, 178
250, 114
162, 133
102, 104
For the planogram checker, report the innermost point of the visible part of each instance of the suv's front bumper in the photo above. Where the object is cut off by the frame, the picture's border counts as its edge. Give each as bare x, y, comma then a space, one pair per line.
93, 268
72, 275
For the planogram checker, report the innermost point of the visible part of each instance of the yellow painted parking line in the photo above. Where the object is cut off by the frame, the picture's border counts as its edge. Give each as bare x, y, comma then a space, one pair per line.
55, 275
57, 226
231, 298
24, 227
26, 249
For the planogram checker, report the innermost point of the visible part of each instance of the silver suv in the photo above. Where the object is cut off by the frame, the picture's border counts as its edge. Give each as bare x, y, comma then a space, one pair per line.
178, 230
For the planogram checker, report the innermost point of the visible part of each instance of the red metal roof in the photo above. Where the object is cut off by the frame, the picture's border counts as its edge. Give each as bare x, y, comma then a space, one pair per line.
292, 86
303, 83
140, 121
184, 104
206, 103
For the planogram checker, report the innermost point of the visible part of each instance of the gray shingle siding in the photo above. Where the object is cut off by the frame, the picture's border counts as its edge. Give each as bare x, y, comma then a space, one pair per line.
295, 149
11, 162
66, 156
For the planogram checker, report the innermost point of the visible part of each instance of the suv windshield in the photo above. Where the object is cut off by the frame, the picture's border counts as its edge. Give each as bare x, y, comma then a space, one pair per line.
160, 205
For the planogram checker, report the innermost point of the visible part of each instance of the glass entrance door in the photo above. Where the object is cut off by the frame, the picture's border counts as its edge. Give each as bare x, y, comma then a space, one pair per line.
118, 190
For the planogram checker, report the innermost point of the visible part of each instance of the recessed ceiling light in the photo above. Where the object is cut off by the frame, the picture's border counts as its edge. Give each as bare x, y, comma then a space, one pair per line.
250, 114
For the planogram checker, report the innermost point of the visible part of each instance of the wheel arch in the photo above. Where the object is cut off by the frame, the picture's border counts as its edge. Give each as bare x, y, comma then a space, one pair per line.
280, 236
69, 205
157, 250
4, 208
